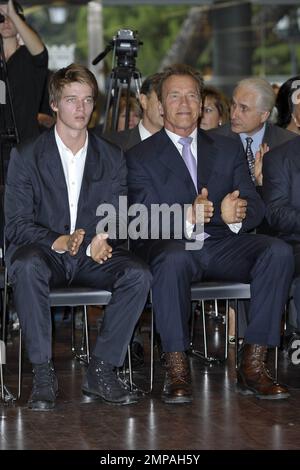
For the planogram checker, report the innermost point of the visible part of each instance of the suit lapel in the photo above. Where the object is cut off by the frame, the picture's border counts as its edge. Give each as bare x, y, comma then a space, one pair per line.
206, 158
52, 161
92, 172
171, 158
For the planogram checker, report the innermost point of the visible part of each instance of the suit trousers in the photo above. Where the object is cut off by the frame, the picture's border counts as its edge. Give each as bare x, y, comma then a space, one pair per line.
264, 262
35, 270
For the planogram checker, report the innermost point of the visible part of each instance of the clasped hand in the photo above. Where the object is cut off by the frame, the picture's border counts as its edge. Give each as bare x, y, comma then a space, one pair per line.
233, 208
100, 250
202, 209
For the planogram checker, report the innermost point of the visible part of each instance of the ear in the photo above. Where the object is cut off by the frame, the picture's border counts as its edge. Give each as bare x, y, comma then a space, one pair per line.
264, 116
143, 101
54, 107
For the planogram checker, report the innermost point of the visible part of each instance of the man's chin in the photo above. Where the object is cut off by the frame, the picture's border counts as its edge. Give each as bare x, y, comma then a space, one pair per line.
236, 129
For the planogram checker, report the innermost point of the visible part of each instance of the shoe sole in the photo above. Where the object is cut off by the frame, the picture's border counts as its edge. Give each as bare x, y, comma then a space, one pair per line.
96, 395
179, 400
41, 406
248, 391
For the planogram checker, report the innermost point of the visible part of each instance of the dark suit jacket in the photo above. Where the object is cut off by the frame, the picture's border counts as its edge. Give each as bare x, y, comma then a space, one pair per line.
36, 197
124, 139
273, 136
157, 174
281, 189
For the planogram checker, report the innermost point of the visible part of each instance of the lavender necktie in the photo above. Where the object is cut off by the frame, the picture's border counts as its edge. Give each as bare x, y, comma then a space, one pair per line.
250, 157
189, 159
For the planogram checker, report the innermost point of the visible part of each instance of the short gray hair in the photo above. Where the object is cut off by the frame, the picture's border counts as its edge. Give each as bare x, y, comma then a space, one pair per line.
265, 93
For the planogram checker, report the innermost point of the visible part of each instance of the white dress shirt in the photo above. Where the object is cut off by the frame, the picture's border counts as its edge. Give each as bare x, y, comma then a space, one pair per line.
73, 166
144, 133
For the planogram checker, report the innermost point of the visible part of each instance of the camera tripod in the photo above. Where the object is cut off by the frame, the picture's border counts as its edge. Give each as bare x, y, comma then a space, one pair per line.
120, 82
125, 48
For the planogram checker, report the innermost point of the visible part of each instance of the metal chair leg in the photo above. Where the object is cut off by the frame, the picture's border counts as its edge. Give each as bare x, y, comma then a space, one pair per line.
20, 365
86, 330
276, 365
236, 319
226, 329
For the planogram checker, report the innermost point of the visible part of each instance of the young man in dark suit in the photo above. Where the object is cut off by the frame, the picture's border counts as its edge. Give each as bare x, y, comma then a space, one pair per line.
182, 165
55, 187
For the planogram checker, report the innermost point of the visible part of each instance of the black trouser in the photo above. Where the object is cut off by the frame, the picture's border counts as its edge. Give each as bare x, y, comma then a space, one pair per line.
294, 310
36, 269
265, 262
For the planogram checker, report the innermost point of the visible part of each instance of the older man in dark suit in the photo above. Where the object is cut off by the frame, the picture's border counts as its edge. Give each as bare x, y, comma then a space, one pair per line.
182, 165
55, 187
252, 102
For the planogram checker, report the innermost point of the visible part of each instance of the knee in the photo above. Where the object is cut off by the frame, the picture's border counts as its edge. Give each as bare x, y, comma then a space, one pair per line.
283, 253
141, 274
174, 259
26, 262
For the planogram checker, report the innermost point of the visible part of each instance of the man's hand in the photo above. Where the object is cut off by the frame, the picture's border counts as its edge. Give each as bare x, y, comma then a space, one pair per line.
70, 243
233, 208
100, 249
208, 209
75, 240
263, 148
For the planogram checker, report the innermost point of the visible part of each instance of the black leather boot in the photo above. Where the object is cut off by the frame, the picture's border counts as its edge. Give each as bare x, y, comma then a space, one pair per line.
45, 387
101, 381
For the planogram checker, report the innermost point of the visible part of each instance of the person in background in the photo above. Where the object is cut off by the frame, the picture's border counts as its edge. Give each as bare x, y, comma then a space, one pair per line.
252, 102
215, 109
151, 120
288, 105
26, 68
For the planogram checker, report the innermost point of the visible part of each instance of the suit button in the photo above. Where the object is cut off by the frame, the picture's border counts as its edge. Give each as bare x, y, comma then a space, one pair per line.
67, 228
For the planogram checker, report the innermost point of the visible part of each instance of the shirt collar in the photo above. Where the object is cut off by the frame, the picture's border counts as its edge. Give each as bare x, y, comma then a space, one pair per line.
62, 147
257, 137
175, 137
144, 133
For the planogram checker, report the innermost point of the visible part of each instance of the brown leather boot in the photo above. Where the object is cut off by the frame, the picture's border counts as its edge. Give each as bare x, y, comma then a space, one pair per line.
177, 385
253, 377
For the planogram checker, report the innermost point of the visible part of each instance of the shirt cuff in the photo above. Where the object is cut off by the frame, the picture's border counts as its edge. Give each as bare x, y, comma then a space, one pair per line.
189, 228
235, 227
58, 251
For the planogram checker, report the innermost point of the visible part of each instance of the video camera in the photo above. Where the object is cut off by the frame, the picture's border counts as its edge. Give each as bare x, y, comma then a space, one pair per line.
125, 45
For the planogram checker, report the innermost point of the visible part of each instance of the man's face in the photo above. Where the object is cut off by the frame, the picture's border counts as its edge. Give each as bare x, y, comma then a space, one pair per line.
181, 104
74, 109
7, 29
245, 115
151, 112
